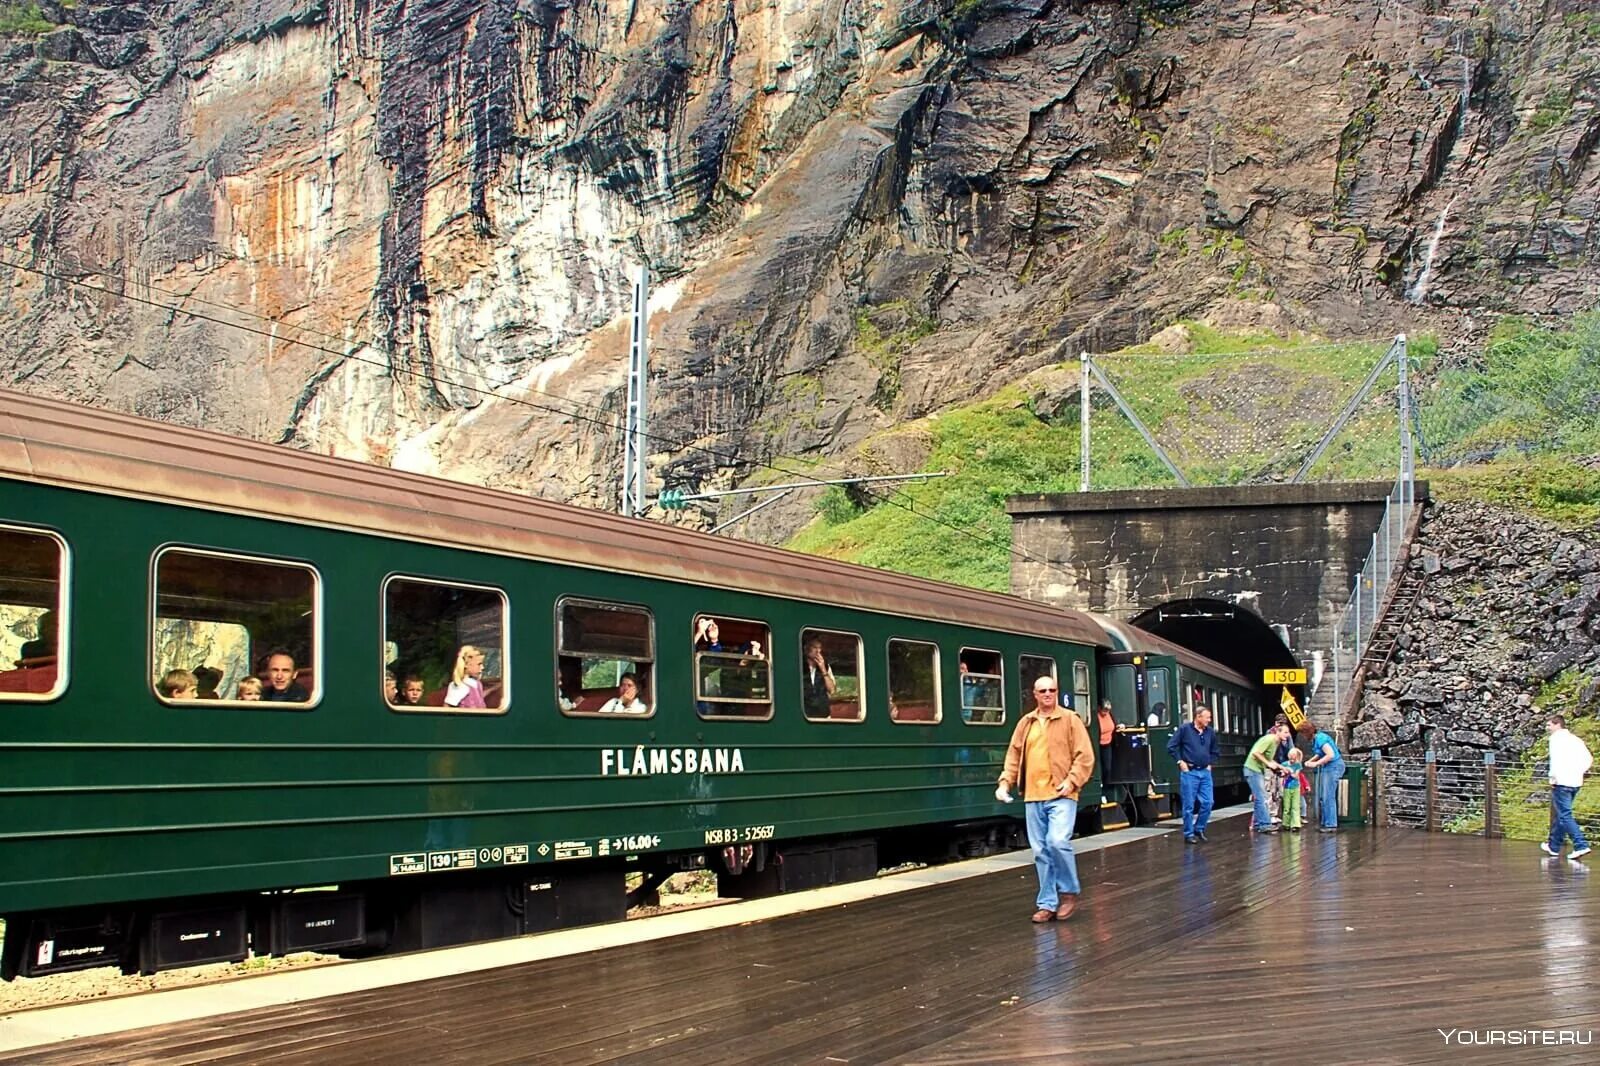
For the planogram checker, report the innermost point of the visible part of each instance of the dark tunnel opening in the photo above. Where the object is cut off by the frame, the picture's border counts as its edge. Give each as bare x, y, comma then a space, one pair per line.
1232, 635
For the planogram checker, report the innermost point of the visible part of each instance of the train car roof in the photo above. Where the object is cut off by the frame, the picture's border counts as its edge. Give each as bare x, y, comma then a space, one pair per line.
63, 444
1125, 637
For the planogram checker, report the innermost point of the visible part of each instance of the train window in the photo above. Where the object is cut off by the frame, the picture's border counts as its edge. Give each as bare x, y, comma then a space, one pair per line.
831, 674
983, 687
1158, 696
33, 601
235, 630
1031, 668
1117, 684
600, 649
1080, 690
449, 644
732, 675
914, 682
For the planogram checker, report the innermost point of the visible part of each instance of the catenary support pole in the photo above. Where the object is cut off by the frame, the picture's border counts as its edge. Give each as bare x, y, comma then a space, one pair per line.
634, 435
1085, 384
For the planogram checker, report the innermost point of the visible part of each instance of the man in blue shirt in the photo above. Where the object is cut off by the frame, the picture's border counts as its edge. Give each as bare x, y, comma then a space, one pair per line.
1194, 744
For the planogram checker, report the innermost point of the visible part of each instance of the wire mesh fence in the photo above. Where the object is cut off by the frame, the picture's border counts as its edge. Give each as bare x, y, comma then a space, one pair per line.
1530, 391
1509, 796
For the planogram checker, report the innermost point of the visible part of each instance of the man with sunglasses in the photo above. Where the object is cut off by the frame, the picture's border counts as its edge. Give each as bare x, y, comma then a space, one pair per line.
1051, 756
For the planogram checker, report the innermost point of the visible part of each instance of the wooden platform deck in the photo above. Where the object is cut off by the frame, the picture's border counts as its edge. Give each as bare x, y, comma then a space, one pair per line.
1356, 947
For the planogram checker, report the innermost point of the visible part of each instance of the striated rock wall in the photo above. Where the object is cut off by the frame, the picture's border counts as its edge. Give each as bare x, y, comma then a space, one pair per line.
857, 212
1508, 603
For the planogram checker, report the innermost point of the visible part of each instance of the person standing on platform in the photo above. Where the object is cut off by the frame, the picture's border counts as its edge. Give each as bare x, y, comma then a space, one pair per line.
1569, 761
1329, 765
1275, 783
1051, 758
1257, 765
1289, 787
1195, 746
1107, 728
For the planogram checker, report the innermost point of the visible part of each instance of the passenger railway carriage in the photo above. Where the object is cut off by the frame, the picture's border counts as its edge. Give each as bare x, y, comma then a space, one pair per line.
443, 746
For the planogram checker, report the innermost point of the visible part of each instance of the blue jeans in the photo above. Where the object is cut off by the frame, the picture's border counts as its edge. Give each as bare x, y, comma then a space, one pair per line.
1258, 792
1565, 825
1193, 785
1050, 825
1328, 778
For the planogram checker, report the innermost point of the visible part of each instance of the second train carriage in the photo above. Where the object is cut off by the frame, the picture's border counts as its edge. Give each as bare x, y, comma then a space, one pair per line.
447, 796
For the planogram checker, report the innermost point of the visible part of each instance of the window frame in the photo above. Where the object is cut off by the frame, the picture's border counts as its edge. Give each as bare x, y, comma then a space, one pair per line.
655, 658
1166, 720
314, 699
1000, 677
1026, 694
63, 616
938, 689
694, 674
1081, 668
861, 677
505, 645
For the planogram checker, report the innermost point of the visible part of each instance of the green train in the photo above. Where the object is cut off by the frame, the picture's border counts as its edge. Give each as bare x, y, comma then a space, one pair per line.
253, 699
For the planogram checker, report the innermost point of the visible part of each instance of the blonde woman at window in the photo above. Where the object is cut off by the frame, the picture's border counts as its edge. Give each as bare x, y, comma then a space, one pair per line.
466, 685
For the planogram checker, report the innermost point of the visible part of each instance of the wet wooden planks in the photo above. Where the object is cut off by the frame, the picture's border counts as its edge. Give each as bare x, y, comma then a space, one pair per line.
1177, 954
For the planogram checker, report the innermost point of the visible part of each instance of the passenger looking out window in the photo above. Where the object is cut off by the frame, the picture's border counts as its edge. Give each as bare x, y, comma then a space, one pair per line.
180, 685
248, 689
817, 683
280, 677
602, 649
830, 676
627, 700
448, 641
983, 700
220, 612
466, 681
732, 676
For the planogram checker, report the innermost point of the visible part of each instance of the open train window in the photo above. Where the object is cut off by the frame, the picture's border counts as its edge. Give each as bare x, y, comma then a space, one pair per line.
1031, 668
914, 682
234, 630
448, 643
831, 675
732, 675
983, 687
33, 605
603, 650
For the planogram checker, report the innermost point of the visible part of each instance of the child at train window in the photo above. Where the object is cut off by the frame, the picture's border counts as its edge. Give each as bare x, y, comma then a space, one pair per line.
466, 685
179, 685
412, 693
1294, 781
249, 688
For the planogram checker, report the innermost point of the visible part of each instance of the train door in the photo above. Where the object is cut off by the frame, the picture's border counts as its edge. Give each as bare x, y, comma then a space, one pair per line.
1124, 680
1161, 718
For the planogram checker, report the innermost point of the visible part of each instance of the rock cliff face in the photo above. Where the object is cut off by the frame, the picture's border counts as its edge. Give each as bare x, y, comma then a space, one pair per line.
400, 230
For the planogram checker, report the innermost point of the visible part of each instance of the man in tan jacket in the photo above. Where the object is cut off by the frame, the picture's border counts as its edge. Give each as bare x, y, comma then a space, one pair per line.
1051, 755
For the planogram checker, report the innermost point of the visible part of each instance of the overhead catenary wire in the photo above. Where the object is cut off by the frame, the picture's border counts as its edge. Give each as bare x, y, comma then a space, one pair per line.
611, 423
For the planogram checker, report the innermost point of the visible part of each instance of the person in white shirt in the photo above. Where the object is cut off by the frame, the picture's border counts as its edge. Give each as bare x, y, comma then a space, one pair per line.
627, 700
1569, 761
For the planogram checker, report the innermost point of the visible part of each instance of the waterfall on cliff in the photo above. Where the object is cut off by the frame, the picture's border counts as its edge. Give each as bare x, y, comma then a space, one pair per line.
1419, 288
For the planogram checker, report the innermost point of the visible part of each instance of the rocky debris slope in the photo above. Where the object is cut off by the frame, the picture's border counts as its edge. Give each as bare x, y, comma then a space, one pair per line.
403, 220
1509, 603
